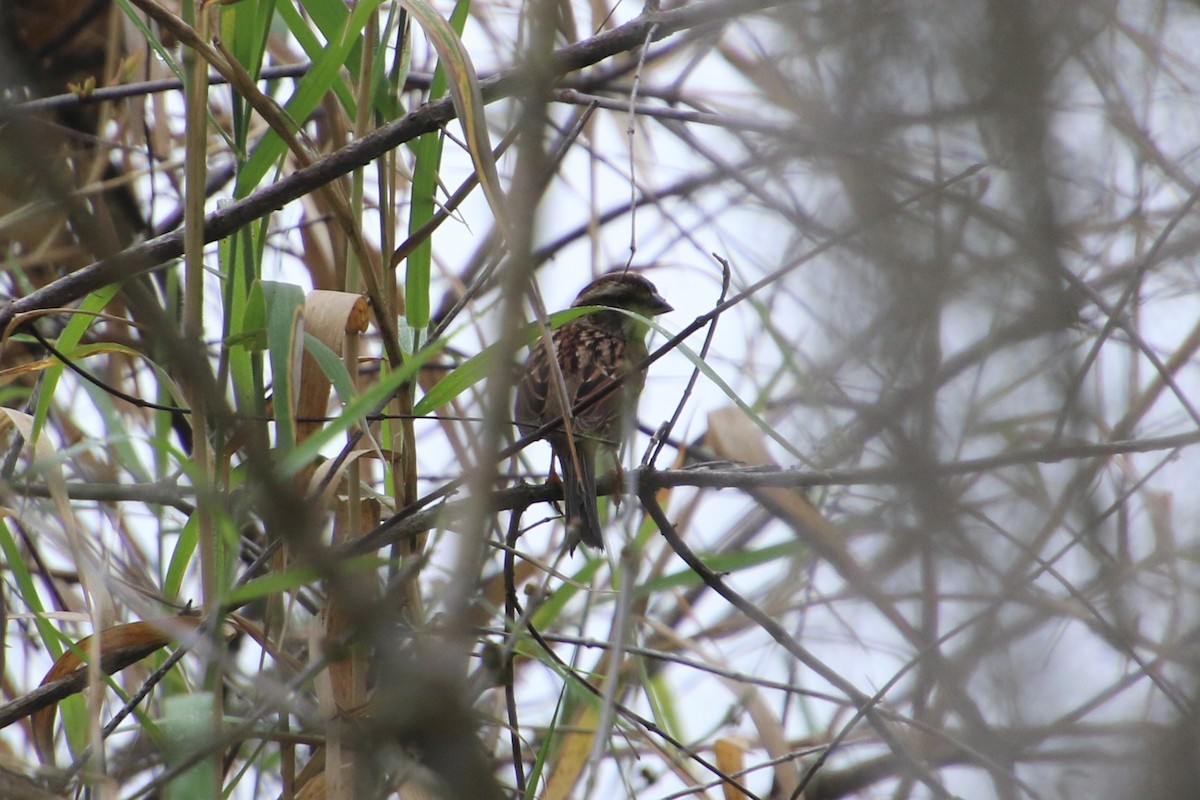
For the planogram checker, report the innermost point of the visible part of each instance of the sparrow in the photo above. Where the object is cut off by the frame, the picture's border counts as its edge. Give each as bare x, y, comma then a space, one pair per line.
591, 351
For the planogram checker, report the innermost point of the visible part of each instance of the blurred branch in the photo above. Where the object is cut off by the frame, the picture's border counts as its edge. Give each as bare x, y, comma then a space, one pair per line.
709, 476
155, 494
141, 88
758, 477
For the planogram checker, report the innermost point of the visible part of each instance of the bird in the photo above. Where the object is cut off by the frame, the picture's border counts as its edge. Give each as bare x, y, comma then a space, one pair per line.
591, 351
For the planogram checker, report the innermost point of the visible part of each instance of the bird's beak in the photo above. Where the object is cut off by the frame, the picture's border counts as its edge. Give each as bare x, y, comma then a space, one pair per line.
661, 306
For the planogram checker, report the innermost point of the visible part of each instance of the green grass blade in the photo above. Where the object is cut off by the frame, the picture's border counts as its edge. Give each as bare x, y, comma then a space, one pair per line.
285, 310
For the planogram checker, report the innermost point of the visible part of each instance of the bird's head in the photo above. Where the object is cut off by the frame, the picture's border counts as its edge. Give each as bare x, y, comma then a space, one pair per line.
625, 290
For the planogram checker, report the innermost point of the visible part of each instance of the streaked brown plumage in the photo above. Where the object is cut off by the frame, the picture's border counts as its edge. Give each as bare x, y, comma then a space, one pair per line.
591, 351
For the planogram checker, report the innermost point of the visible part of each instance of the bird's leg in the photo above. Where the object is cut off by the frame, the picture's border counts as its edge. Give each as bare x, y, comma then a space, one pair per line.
619, 475
552, 479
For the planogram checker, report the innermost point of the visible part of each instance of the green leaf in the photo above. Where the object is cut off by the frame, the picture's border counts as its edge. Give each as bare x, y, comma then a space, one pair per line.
356, 410
720, 383
333, 367
534, 783
188, 727
244, 318
26, 591
427, 165
273, 583
467, 374
245, 28
723, 563
68, 340
284, 314
479, 366
291, 579
418, 265
325, 75
181, 557
548, 612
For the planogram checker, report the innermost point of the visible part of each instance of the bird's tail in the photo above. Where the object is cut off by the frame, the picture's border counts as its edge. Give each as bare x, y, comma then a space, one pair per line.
579, 494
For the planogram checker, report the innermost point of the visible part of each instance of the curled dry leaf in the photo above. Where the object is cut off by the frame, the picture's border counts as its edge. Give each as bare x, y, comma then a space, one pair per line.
120, 646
